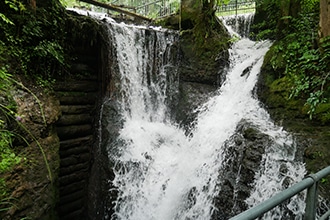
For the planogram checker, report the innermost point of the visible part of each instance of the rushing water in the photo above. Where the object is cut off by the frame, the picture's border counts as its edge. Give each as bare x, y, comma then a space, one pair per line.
163, 174
239, 24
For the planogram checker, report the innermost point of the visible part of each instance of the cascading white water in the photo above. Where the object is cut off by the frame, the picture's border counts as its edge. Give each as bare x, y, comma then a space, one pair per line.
162, 174
240, 24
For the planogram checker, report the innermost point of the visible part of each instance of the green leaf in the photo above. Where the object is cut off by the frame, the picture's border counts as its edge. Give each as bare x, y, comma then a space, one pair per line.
5, 19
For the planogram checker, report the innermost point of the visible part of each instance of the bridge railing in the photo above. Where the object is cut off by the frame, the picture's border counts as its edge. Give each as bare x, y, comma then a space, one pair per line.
235, 7
158, 8
310, 183
153, 8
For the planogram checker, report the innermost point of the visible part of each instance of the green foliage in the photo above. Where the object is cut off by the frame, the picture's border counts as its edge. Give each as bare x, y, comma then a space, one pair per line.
4, 201
15, 4
4, 79
309, 72
5, 19
33, 41
3, 188
309, 5
8, 158
50, 50
74, 3
221, 2
324, 180
297, 53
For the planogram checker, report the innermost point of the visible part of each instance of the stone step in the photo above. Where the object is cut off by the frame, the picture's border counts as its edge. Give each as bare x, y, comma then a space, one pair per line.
74, 150
72, 178
74, 131
67, 144
73, 215
71, 207
74, 98
76, 119
77, 86
71, 188
76, 109
74, 159
81, 67
72, 197
81, 167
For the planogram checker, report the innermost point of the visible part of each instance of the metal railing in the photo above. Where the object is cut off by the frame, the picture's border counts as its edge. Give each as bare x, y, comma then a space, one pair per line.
237, 7
154, 8
160, 8
310, 183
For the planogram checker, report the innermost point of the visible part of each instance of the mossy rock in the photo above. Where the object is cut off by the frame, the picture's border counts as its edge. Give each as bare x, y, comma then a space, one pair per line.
203, 57
274, 90
170, 22
321, 114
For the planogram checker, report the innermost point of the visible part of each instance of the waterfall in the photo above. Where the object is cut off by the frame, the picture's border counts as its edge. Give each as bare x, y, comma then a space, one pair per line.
163, 174
240, 24
160, 172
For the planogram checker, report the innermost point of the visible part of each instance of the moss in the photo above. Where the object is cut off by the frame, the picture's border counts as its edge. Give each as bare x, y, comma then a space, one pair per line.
274, 61
203, 39
274, 90
317, 157
322, 113
171, 22
281, 85
203, 56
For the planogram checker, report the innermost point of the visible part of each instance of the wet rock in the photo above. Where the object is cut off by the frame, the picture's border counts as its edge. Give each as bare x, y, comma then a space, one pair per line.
32, 183
191, 97
312, 136
243, 152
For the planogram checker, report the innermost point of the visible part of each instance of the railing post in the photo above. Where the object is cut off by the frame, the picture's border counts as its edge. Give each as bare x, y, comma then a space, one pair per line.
311, 200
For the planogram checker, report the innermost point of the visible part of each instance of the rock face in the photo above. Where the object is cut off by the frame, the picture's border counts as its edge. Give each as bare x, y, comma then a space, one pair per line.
244, 152
312, 136
79, 93
32, 183
191, 95
204, 43
75, 129
203, 63
103, 193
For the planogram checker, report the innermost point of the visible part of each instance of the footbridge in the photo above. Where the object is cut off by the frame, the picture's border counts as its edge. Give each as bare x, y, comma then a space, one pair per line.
153, 9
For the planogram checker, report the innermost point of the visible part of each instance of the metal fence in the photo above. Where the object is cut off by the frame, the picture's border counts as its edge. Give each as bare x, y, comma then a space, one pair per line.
162, 8
310, 183
150, 8
235, 7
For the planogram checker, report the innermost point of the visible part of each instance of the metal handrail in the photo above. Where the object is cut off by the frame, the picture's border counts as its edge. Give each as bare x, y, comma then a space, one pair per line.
310, 182
237, 7
165, 8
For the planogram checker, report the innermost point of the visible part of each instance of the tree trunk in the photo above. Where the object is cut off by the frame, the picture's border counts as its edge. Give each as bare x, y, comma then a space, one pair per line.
324, 18
189, 11
203, 39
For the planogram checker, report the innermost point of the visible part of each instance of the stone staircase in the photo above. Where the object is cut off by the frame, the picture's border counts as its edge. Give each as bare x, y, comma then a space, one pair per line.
78, 100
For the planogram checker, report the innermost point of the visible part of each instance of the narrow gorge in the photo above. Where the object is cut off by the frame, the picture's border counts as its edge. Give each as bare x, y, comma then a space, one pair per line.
137, 129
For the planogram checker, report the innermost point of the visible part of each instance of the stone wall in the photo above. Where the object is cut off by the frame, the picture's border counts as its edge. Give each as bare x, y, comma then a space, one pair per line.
79, 93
